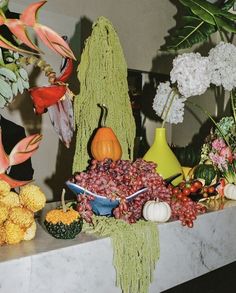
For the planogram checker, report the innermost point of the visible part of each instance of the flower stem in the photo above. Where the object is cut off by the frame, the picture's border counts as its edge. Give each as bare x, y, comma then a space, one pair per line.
171, 97
212, 119
35, 61
232, 98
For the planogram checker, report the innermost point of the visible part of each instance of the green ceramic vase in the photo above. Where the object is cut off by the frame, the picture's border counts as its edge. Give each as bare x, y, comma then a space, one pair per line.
160, 153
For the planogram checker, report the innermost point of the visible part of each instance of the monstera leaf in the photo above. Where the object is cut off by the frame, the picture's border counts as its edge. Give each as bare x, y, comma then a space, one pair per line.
203, 19
194, 31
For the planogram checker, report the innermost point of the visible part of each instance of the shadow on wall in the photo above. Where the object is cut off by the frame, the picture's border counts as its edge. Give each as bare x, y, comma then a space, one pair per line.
65, 156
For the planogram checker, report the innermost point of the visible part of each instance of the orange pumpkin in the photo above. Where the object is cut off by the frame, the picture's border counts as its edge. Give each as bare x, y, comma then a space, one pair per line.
105, 144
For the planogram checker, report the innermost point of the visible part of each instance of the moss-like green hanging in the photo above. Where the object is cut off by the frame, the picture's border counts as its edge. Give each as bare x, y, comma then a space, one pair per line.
135, 251
102, 74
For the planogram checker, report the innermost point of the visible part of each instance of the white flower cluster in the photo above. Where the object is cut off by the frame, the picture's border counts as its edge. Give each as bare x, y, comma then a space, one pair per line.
168, 104
223, 65
192, 73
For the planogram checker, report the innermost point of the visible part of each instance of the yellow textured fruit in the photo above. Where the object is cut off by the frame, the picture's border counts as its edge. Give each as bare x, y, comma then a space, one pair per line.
11, 200
2, 235
4, 188
14, 233
21, 216
32, 197
3, 213
30, 232
58, 215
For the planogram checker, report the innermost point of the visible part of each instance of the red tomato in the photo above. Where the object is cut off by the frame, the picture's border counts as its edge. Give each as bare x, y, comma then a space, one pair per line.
197, 184
193, 189
179, 195
182, 184
186, 191
175, 190
211, 189
185, 199
205, 189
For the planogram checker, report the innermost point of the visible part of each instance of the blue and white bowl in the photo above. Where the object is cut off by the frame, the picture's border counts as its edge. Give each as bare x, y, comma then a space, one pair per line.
101, 205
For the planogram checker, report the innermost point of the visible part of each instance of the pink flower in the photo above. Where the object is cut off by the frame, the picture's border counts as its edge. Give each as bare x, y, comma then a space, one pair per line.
227, 154
219, 161
218, 144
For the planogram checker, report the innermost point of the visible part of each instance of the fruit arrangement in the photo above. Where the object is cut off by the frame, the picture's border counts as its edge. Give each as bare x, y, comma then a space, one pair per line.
121, 178
17, 212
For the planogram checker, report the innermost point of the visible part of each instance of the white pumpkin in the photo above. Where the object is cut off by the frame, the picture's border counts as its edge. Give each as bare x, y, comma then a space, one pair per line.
156, 211
230, 191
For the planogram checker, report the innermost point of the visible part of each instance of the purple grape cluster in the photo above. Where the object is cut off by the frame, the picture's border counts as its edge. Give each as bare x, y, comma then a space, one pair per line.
186, 211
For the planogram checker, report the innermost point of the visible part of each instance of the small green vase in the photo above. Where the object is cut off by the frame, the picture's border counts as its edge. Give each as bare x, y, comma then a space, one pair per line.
161, 154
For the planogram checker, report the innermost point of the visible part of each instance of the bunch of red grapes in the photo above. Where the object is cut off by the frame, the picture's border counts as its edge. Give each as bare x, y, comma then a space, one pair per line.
119, 179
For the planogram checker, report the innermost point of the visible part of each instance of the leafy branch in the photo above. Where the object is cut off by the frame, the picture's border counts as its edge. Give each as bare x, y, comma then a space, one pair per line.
203, 19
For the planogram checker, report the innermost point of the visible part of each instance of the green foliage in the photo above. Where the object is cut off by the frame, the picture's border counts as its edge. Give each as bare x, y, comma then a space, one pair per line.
13, 77
203, 19
194, 31
187, 156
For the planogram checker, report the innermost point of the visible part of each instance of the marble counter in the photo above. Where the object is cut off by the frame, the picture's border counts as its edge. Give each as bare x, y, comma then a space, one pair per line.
84, 265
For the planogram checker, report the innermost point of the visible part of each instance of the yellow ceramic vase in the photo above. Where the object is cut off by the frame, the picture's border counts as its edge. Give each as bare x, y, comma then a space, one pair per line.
160, 153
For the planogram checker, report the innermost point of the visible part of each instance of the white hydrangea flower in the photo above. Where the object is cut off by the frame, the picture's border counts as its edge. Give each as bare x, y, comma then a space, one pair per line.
192, 73
223, 65
168, 104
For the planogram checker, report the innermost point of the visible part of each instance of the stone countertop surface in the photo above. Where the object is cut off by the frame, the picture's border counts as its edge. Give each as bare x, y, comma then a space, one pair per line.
84, 264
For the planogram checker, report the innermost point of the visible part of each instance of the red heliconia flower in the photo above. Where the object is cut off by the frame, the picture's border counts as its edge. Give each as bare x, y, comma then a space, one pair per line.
21, 152
28, 18
57, 100
47, 35
46, 96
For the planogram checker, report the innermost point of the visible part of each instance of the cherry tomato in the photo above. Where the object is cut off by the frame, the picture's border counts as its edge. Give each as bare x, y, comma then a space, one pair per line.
205, 189
211, 189
193, 189
182, 184
186, 191
197, 184
185, 199
175, 190
179, 195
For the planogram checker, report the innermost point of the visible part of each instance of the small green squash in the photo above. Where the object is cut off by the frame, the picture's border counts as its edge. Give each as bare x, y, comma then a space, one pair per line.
63, 222
206, 172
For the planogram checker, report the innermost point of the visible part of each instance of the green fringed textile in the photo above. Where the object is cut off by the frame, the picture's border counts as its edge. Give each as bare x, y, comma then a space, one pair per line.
135, 251
102, 74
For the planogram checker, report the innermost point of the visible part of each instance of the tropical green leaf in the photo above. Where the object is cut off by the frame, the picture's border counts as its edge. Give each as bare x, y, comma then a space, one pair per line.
204, 19
3, 102
5, 89
207, 11
194, 31
203, 9
227, 25
227, 5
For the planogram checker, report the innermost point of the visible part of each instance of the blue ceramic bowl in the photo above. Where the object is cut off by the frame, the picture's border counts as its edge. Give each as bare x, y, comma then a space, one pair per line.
101, 205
